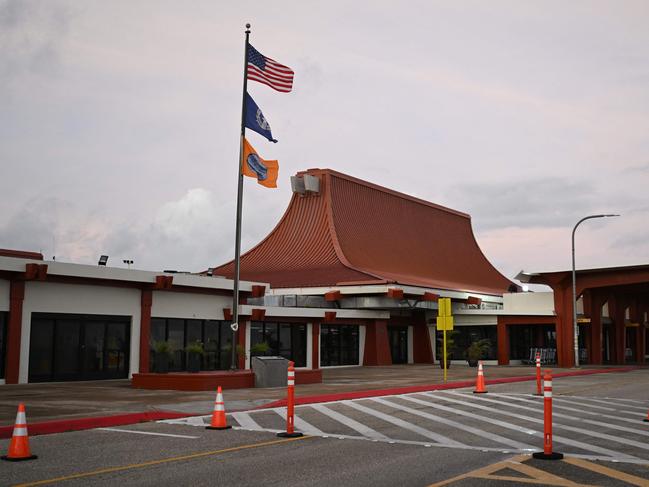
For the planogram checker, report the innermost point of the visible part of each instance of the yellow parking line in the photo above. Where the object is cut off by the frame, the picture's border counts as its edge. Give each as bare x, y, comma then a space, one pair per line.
609, 472
159, 462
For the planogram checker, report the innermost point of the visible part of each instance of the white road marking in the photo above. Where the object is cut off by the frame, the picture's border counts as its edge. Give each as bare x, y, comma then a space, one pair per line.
555, 424
246, 422
478, 432
601, 401
147, 433
349, 422
581, 411
560, 439
300, 424
404, 424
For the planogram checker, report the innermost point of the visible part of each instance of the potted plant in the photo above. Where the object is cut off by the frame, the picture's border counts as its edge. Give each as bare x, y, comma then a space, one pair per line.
259, 349
450, 346
162, 352
477, 351
194, 356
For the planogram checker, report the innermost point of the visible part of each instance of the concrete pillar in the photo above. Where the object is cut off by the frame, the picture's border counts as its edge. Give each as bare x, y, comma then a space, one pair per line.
377, 345
422, 351
146, 301
14, 331
617, 315
503, 342
564, 327
595, 314
315, 344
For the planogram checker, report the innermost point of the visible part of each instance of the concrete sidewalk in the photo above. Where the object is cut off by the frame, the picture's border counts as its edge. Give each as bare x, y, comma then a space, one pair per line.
71, 400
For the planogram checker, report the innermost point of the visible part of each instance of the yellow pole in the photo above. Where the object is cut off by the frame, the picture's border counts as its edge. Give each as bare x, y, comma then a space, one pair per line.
444, 353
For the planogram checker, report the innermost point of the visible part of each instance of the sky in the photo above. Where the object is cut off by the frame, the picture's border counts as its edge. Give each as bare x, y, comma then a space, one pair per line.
120, 120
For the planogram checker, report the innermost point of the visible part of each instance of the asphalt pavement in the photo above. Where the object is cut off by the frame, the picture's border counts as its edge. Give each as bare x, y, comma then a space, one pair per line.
444, 450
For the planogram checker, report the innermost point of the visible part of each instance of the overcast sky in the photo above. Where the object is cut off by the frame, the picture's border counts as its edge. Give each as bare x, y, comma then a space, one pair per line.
119, 122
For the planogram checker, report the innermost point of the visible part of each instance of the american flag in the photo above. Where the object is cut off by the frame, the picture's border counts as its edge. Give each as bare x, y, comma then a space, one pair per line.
269, 72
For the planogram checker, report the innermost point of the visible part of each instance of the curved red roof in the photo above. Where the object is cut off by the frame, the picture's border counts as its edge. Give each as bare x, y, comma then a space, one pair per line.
355, 232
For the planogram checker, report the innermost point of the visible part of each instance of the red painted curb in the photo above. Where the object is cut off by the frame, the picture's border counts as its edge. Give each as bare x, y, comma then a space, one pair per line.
63, 425
425, 388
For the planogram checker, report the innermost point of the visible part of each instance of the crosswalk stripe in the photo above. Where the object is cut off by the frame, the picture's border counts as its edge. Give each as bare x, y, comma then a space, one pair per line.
246, 422
403, 424
349, 422
581, 411
560, 439
601, 401
300, 424
478, 432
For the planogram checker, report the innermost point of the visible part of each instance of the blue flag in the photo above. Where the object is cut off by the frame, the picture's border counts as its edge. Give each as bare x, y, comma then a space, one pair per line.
255, 120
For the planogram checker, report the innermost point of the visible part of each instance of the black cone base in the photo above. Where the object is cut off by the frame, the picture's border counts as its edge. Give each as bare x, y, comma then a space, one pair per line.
646, 420
284, 434
480, 392
218, 427
5, 457
552, 456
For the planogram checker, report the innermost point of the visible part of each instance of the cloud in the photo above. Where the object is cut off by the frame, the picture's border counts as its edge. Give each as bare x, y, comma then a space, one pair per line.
548, 202
31, 34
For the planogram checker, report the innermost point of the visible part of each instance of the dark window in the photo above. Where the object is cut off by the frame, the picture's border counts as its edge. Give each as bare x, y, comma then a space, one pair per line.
464, 336
78, 347
287, 340
338, 345
216, 337
523, 338
3, 342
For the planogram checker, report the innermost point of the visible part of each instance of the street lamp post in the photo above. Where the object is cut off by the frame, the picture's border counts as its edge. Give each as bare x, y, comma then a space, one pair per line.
575, 329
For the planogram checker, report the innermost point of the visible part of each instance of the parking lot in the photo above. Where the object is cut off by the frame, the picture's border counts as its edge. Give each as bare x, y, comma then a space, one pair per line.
409, 439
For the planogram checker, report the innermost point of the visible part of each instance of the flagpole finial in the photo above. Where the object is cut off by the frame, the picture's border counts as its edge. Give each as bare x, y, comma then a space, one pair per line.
247, 28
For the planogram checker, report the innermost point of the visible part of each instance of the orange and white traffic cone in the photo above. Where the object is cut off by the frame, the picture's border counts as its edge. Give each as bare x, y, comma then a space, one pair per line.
646, 420
19, 446
218, 415
479, 383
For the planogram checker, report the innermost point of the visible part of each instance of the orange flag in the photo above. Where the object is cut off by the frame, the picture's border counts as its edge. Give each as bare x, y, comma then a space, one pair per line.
265, 172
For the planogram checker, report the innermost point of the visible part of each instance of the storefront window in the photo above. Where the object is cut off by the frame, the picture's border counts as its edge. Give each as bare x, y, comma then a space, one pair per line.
338, 345
524, 338
464, 336
215, 336
287, 340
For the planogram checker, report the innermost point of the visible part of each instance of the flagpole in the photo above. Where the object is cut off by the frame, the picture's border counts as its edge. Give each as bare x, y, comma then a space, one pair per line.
237, 244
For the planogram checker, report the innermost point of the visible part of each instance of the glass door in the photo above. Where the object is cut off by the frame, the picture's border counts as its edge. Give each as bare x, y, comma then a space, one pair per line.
398, 337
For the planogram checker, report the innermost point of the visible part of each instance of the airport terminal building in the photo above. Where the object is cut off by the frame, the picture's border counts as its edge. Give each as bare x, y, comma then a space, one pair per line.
350, 276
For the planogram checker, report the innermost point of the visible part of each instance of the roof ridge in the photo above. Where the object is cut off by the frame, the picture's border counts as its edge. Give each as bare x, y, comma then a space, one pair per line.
383, 189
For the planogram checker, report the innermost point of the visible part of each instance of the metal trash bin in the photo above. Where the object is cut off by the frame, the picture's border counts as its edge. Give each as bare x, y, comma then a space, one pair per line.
270, 371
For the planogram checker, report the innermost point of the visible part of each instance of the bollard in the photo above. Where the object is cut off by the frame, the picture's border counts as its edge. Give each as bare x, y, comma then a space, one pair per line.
290, 405
547, 453
538, 374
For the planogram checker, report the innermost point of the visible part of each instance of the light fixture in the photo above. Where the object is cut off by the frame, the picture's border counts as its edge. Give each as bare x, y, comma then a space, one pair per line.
102, 260
128, 262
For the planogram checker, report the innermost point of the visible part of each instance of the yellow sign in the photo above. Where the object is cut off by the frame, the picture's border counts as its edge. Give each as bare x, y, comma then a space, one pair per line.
583, 321
445, 318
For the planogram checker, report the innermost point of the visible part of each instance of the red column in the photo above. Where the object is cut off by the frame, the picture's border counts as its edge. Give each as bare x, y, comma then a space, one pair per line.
242, 341
14, 331
564, 326
421, 350
620, 331
145, 329
377, 346
503, 342
315, 345
595, 311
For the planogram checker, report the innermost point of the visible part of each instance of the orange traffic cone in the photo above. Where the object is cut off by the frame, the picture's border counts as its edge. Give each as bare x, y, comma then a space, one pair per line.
646, 420
19, 446
479, 383
218, 415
